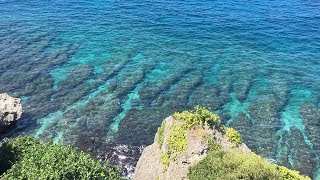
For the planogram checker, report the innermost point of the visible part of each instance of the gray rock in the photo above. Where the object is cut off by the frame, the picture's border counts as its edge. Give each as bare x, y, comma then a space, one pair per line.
10, 109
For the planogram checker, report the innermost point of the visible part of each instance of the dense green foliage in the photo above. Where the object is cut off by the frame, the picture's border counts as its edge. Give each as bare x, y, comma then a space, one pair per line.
233, 165
37, 160
199, 116
177, 139
233, 136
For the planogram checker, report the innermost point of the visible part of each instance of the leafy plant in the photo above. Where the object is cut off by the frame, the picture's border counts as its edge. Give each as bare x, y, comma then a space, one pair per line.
199, 116
37, 160
212, 146
286, 173
177, 141
233, 136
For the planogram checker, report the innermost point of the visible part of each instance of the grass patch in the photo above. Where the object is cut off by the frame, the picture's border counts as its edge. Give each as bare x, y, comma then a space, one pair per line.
37, 160
231, 165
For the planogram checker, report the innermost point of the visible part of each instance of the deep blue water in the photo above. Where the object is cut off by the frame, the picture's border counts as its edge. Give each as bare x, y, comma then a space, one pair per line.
102, 75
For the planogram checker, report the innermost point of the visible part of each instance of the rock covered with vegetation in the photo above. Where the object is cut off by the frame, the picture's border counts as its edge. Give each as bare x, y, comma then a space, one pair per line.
25, 158
194, 145
10, 109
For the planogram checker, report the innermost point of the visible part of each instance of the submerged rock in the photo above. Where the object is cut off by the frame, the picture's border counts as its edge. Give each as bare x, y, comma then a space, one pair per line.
10, 110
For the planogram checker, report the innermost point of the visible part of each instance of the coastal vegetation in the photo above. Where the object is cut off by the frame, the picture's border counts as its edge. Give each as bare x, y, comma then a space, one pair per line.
26, 158
233, 136
198, 116
236, 165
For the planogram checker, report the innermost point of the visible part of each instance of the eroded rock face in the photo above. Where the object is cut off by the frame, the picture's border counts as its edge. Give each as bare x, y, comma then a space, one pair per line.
10, 109
150, 167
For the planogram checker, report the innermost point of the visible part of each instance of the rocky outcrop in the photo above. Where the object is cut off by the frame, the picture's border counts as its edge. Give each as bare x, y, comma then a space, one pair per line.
10, 110
150, 166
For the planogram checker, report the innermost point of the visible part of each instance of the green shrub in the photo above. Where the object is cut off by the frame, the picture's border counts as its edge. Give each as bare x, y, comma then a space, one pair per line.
286, 173
165, 160
230, 165
233, 136
199, 116
212, 146
36, 160
177, 141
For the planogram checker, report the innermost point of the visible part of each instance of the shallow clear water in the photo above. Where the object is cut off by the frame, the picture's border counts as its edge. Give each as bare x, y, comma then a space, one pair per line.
102, 75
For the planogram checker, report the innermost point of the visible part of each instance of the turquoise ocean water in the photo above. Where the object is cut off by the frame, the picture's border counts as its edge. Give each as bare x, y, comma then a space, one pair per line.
101, 75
